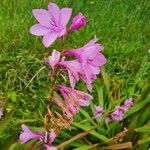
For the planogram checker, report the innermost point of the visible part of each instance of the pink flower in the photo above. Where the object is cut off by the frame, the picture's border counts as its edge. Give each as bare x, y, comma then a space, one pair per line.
118, 113
73, 99
98, 111
128, 104
73, 67
27, 135
91, 60
52, 23
74, 96
1, 112
54, 59
47, 138
78, 22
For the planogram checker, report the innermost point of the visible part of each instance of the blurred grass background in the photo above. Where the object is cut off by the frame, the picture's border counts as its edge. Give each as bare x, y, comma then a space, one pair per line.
122, 26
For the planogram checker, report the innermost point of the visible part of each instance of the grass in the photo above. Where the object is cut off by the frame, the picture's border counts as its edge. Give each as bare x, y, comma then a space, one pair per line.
122, 26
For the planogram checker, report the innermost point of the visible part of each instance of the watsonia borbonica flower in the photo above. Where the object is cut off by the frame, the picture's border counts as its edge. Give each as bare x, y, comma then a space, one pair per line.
52, 23
73, 99
86, 66
46, 139
91, 60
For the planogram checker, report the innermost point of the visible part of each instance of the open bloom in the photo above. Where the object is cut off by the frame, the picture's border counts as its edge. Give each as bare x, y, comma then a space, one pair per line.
27, 135
98, 111
1, 112
78, 22
91, 60
52, 23
73, 99
46, 139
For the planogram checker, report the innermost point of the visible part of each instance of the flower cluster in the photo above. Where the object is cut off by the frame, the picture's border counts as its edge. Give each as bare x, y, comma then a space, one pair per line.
85, 65
117, 114
73, 100
120, 111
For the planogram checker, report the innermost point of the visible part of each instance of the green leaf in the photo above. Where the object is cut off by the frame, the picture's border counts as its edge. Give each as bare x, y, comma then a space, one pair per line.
12, 96
76, 137
99, 90
87, 116
85, 147
94, 133
13, 146
145, 140
144, 129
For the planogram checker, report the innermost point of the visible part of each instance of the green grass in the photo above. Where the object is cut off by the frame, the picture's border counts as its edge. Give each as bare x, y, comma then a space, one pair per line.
122, 26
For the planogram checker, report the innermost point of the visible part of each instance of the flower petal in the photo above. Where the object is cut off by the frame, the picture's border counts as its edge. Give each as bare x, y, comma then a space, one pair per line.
83, 102
99, 60
52, 137
25, 128
42, 16
49, 38
65, 15
55, 11
71, 79
53, 59
63, 32
39, 30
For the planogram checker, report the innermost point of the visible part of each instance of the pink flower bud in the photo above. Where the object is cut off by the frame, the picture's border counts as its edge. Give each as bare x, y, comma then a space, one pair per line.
78, 22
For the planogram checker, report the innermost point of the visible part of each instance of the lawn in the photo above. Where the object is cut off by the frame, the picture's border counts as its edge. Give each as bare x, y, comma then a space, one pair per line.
122, 26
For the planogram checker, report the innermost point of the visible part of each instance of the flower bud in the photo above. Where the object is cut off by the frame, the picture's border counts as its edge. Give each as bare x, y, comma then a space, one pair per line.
78, 22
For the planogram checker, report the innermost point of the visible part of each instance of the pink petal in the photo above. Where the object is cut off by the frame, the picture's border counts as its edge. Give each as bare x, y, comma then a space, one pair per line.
58, 102
65, 15
42, 16
71, 79
53, 59
94, 70
55, 11
63, 32
49, 39
52, 137
39, 30
83, 102
91, 42
99, 60
25, 128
